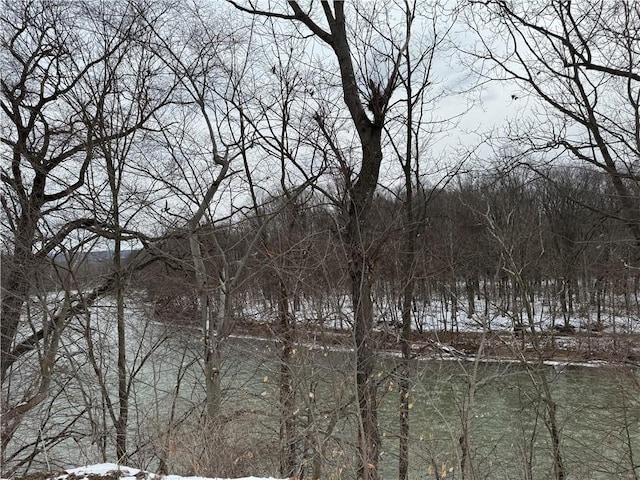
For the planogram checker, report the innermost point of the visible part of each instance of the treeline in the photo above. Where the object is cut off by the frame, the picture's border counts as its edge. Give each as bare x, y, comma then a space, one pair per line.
559, 231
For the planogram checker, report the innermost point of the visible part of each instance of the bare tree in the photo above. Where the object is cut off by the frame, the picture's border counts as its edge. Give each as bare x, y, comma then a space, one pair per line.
132, 71
211, 67
503, 227
408, 132
578, 62
369, 62
53, 62
193, 52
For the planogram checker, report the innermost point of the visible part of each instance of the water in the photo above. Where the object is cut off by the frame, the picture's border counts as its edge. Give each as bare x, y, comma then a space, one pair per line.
598, 413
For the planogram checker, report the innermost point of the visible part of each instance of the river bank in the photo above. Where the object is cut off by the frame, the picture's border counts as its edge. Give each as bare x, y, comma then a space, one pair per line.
580, 348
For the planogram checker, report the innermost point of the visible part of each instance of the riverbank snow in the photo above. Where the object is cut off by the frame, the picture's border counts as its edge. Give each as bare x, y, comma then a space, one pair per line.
111, 471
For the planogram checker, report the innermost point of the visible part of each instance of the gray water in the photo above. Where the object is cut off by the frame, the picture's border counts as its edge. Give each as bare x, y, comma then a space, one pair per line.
598, 413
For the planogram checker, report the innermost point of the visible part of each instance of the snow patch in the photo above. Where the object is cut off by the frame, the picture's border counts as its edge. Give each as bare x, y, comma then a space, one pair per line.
128, 473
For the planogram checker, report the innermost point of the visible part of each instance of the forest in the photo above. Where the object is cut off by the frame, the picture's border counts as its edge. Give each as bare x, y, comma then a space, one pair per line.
321, 239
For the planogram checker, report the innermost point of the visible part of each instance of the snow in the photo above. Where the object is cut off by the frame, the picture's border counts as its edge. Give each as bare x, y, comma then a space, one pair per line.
127, 473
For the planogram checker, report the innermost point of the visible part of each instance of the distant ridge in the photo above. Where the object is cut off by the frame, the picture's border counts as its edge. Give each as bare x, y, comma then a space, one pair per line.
94, 257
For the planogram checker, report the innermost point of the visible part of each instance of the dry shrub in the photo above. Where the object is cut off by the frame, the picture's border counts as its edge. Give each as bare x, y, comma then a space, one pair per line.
237, 446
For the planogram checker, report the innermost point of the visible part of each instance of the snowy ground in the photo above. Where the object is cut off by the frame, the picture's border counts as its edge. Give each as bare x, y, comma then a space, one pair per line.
337, 313
111, 471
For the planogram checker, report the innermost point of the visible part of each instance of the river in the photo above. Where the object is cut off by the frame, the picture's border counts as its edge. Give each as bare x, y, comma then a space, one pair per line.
597, 413
502, 407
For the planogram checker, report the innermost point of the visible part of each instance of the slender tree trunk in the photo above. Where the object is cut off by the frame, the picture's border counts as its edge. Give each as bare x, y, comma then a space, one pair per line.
539, 375
411, 227
365, 351
467, 411
123, 394
404, 383
454, 305
471, 296
213, 365
288, 457
212, 359
122, 421
217, 330
405, 338
552, 425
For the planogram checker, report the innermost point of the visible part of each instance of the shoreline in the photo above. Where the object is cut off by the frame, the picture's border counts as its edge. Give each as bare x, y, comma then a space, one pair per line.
556, 351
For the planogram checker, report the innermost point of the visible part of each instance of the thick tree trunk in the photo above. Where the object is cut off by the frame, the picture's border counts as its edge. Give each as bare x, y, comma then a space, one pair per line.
15, 287
365, 350
18, 279
14, 294
358, 230
359, 239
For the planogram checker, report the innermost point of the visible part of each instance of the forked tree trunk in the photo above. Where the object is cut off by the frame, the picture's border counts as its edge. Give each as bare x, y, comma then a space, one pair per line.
358, 234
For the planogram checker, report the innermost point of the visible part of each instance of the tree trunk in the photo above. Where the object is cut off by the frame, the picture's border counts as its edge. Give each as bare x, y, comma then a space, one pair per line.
15, 288
365, 351
405, 347
471, 297
114, 172
359, 239
14, 293
288, 460
213, 364
212, 357
360, 194
123, 394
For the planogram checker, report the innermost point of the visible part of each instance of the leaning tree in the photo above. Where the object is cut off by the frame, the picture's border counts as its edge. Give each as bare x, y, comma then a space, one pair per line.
64, 66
